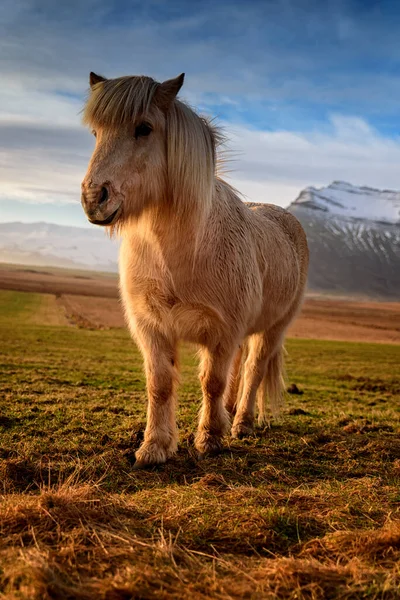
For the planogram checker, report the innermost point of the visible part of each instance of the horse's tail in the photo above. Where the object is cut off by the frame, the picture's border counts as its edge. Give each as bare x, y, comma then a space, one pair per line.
272, 387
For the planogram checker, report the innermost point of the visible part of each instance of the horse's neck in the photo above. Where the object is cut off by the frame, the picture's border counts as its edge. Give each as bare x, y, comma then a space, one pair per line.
182, 241
173, 239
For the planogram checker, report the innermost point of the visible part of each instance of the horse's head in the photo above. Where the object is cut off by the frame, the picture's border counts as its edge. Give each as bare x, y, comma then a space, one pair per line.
128, 168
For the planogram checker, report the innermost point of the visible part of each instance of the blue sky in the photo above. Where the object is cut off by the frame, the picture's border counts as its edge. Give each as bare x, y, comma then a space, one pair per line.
307, 91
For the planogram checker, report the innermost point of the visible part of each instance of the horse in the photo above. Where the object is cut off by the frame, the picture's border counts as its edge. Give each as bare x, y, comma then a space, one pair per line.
196, 262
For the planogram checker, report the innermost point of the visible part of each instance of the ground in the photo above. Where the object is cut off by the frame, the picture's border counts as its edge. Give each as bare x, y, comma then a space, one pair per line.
307, 508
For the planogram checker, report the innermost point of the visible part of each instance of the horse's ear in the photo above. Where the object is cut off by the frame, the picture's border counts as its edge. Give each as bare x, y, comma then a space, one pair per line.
167, 91
93, 79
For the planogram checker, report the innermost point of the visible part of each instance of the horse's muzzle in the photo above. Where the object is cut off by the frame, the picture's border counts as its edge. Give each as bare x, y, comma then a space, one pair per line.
99, 208
108, 221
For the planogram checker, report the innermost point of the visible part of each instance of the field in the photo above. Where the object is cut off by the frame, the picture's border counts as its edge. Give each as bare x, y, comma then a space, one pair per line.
307, 508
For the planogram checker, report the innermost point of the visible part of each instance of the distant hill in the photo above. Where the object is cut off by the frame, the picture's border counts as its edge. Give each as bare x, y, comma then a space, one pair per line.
45, 244
354, 239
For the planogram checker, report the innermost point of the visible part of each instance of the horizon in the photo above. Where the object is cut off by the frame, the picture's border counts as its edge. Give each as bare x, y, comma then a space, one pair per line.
297, 201
305, 93
87, 225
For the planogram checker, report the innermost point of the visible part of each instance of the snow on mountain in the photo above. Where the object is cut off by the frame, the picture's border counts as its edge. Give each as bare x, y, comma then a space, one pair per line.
346, 200
354, 239
57, 245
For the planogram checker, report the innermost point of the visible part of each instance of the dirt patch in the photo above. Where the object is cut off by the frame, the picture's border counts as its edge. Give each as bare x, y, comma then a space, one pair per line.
368, 384
92, 313
365, 426
50, 312
345, 320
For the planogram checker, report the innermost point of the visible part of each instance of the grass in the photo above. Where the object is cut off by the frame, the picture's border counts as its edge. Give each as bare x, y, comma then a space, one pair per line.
308, 508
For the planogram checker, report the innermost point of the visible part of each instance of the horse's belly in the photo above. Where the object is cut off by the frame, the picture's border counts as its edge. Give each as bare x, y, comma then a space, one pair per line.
277, 301
191, 322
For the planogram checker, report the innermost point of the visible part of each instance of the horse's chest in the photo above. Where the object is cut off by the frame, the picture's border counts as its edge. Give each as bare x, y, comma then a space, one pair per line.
188, 319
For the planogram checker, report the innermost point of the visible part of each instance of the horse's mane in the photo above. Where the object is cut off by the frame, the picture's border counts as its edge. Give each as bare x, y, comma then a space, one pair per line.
192, 140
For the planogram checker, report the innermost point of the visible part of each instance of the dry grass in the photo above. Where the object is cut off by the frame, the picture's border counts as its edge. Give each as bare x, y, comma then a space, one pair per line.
306, 509
80, 542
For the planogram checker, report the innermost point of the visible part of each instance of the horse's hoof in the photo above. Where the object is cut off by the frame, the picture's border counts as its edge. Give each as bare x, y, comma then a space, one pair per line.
241, 431
208, 445
151, 454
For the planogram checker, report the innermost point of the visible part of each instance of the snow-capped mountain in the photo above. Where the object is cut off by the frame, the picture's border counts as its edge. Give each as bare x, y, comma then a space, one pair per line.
346, 200
56, 245
354, 239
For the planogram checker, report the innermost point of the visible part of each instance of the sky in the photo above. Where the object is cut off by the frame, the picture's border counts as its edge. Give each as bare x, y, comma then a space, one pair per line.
307, 92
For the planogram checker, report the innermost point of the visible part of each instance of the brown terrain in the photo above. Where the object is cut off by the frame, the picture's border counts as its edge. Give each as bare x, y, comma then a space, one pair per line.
89, 299
48, 280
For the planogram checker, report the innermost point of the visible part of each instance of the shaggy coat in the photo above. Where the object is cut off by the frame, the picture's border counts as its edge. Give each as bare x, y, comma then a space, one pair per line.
196, 263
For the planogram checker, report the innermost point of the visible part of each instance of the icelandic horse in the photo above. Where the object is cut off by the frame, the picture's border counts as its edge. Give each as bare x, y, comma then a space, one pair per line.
196, 262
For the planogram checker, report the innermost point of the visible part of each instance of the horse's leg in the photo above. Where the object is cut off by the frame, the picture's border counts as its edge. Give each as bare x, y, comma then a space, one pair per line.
232, 389
160, 437
254, 370
214, 419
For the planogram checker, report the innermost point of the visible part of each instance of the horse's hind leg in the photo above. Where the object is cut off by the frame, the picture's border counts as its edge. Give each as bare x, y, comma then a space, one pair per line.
214, 419
262, 348
232, 389
160, 437
253, 372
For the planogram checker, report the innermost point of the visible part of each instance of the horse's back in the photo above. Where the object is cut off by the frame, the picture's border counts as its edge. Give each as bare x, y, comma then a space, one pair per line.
279, 215
288, 223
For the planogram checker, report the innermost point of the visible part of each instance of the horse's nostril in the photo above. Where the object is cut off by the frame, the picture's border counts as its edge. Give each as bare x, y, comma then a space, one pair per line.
103, 195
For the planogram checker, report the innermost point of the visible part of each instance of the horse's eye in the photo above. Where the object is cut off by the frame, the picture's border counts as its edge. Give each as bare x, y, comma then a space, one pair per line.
143, 130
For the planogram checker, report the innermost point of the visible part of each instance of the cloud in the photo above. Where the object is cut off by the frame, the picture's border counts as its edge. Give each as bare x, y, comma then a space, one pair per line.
42, 163
270, 166
283, 73
277, 51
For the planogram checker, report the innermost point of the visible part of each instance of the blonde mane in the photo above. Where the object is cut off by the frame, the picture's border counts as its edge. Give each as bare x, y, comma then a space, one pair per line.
191, 140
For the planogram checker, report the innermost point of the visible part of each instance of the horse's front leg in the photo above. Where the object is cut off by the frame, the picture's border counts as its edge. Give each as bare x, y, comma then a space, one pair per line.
214, 419
160, 437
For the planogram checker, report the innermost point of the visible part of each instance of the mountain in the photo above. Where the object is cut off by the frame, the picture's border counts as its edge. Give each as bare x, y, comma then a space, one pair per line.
45, 244
354, 239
